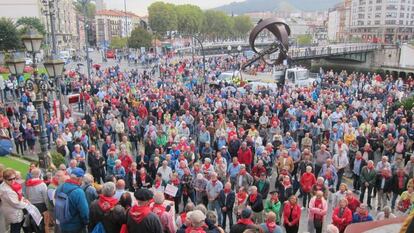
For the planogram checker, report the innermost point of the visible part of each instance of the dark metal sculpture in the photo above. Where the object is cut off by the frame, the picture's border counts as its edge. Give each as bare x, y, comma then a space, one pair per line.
279, 47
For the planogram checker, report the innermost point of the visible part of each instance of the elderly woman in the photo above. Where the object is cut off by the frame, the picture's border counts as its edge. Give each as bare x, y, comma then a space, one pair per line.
342, 215
318, 208
291, 215
12, 201
107, 211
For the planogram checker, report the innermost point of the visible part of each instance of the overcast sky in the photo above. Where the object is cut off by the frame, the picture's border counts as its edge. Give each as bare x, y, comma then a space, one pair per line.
140, 6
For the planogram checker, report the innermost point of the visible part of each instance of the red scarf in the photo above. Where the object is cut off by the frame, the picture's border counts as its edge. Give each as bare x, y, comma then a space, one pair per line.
33, 182
175, 182
227, 190
253, 198
214, 182
195, 230
107, 203
245, 221
287, 184
401, 182
71, 181
143, 177
55, 181
17, 188
207, 166
138, 213
159, 209
243, 172
157, 183
183, 217
241, 197
235, 164
271, 226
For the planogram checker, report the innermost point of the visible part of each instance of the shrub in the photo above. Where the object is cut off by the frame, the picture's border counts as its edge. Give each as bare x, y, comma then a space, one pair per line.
57, 158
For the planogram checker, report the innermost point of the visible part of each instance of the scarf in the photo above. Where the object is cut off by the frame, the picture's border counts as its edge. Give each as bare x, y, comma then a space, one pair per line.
287, 184
158, 209
138, 213
401, 182
207, 166
241, 197
17, 188
243, 172
245, 221
175, 182
271, 226
235, 165
71, 181
318, 204
195, 230
55, 181
227, 190
107, 203
253, 198
213, 182
157, 184
143, 177
33, 182
183, 217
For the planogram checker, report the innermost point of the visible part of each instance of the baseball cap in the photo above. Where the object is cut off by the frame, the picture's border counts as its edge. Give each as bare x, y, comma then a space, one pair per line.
78, 172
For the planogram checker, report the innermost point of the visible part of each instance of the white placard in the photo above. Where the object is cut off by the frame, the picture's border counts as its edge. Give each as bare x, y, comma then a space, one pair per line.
171, 190
34, 212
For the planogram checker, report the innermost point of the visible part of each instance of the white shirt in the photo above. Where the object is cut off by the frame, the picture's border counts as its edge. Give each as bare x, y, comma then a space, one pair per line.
340, 161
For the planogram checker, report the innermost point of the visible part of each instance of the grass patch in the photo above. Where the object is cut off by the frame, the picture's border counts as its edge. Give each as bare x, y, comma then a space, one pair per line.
17, 165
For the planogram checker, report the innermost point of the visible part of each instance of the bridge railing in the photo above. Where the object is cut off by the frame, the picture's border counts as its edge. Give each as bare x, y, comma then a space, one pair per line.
327, 51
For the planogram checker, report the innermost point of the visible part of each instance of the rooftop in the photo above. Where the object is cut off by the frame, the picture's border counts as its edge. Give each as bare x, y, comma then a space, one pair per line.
116, 13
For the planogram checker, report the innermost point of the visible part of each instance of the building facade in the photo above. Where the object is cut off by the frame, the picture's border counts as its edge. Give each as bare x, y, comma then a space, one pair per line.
114, 23
339, 22
383, 21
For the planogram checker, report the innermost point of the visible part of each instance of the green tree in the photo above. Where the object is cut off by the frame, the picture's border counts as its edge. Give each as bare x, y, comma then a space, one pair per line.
34, 22
118, 42
90, 8
9, 36
216, 25
189, 19
304, 40
140, 38
242, 25
162, 17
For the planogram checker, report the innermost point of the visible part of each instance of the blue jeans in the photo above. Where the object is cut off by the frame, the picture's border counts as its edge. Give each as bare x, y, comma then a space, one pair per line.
214, 205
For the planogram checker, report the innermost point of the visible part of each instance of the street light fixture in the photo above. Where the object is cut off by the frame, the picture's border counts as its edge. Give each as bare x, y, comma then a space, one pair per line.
32, 40
229, 48
37, 86
54, 66
16, 63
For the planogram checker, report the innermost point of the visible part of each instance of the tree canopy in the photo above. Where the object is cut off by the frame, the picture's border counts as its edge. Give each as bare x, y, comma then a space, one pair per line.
139, 38
189, 18
162, 17
118, 42
34, 22
9, 36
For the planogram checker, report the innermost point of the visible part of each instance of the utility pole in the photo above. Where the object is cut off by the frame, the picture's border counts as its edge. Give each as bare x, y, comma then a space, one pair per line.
126, 29
52, 12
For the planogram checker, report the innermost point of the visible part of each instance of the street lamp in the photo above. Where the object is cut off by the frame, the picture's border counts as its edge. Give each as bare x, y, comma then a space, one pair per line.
37, 86
229, 49
239, 49
16, 63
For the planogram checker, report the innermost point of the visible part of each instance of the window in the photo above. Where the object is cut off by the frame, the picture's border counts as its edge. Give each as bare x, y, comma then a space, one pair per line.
377, 15
378, 8
377, 22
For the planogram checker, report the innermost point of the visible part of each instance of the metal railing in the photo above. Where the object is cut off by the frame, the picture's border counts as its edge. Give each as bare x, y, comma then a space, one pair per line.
329, 51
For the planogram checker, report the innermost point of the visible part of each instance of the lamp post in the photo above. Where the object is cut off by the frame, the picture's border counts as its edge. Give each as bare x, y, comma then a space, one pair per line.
85, 27
37, 86
229, 49
239, 49
54, 67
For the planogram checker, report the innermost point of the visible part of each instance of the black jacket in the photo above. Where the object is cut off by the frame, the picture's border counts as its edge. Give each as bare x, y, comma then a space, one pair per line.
129, 180
112, 221
395, 188
256, 206
148, 180
228, 201
97, 165
150, 224
240, 228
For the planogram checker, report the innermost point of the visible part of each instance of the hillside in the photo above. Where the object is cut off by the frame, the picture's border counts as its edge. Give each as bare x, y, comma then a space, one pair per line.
276, 5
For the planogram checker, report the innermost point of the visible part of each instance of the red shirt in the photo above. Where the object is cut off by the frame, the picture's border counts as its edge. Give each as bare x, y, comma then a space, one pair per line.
307, 181
294, 211
257, 171
245, 156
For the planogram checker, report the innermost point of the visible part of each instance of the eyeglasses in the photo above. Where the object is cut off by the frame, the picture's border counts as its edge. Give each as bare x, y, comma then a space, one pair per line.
11, 179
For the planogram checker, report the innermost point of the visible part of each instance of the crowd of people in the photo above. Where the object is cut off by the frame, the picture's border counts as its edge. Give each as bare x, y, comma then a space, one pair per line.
165, 152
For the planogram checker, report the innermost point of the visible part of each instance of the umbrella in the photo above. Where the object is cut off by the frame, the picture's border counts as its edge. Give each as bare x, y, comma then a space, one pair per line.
6, 147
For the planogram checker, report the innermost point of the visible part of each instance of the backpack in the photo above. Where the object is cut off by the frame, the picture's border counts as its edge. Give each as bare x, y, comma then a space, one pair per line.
62, 204
99, 228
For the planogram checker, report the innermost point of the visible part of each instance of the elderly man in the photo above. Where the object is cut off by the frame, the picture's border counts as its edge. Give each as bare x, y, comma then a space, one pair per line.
165, 171
163, 212
200, 184
79, 207
245, 155
106, 210
340, 161
320, 157
255, 202
368, 179
214, 186
120, 188
140, 218
36, 193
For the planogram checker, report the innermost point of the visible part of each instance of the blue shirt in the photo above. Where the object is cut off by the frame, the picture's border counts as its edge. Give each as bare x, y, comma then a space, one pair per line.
233, 171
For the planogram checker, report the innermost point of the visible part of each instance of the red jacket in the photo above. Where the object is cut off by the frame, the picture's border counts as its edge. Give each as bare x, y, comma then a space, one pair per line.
353, 204
296, 211
257, 171
344, 221
307, 181
245, 156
